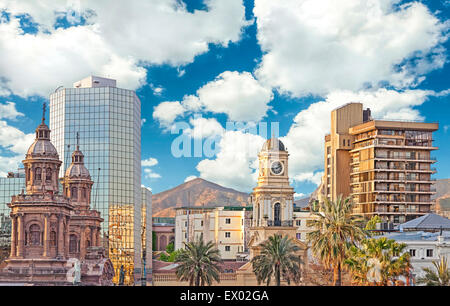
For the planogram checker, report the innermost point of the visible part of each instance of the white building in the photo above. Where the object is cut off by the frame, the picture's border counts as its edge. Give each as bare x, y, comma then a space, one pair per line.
424, 248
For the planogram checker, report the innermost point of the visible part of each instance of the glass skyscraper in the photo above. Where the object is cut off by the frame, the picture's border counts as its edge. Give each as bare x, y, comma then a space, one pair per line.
9, 186
108, 120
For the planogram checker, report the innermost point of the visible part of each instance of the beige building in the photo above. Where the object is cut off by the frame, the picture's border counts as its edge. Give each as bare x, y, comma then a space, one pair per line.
385, 166
225, 226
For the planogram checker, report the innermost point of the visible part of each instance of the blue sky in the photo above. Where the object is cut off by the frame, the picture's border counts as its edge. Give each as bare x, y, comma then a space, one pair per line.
287, 61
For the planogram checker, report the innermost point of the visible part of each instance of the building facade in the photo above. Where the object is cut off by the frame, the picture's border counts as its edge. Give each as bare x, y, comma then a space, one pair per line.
225, 226
50, 230
11, 185
384, 166
109, 122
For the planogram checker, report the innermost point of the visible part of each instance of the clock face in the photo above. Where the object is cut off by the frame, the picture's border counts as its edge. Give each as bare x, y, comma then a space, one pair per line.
276, 167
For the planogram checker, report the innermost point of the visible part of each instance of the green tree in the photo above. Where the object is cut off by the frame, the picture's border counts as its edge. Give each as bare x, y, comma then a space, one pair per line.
378, 261
277, 258
440, 277
335, 230
198, 263
372, 225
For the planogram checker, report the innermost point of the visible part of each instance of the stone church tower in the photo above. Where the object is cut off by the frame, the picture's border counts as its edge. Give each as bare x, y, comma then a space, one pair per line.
273, 198
52, 232
84, 230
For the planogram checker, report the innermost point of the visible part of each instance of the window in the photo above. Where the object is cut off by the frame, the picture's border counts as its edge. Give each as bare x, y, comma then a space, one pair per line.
299, 236
412, 252
201, 223
38, 172
298, 222
73, 244
185, 223
227, 248
74, 192
227, 221
429, 252
48, 174
35, 234
227, 234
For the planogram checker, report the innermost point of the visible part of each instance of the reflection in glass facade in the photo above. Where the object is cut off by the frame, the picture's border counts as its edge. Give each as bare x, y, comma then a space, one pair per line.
8, 187
146, 221
109, 122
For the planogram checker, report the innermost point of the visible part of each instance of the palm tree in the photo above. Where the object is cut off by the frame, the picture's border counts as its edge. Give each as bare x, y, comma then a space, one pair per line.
378, 261
198, 263
336, 229
277, 258
439, 278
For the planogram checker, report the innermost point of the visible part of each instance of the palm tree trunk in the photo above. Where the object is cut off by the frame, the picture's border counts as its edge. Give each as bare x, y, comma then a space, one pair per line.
277, 275
337, 275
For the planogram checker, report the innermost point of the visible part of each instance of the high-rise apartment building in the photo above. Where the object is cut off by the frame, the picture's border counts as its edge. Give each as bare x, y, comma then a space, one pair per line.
385, 166
108, 120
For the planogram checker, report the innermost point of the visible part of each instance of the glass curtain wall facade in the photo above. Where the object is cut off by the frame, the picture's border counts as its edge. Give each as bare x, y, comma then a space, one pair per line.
108, 120
8, 187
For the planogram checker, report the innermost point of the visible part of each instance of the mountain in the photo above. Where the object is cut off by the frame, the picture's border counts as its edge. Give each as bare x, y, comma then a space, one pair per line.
442, 188
201, 193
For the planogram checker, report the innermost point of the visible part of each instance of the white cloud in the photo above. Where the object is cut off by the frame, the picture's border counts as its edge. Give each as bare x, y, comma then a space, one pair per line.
118, 38
149, 162
299, 195
204, 127
190, 178
166, 112
316, 47
238, 95
143, 121
150, 174
9, 111
148, 171
236, 163
16, 142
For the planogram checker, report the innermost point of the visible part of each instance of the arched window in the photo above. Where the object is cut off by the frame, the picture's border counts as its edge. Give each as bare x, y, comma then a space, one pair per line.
38, 172
35, 234
28, 174
74, 192
48, 174
83, 193
73, 244
88, 243
277, 213
53, 238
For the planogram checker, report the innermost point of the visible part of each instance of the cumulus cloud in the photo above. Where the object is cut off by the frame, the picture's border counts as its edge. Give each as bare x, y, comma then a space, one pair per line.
316, 47
148, 171
9, 111
237, 94
110, 38
204, 127
236, 162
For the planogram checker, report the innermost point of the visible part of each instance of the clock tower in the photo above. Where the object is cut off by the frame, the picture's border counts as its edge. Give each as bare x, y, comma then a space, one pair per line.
273, 198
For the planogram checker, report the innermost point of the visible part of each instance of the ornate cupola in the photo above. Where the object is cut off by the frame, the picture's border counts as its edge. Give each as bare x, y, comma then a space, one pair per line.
42, 162
77, 180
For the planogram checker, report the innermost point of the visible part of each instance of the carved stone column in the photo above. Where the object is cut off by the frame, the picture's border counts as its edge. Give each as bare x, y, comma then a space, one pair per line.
61, 236
46, 235
13, 237
83, 242
93, 236
67, 237
21, 236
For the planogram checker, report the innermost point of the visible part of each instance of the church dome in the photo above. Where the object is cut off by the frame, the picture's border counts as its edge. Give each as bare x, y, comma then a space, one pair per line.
42, 144
77, 168
273, 144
